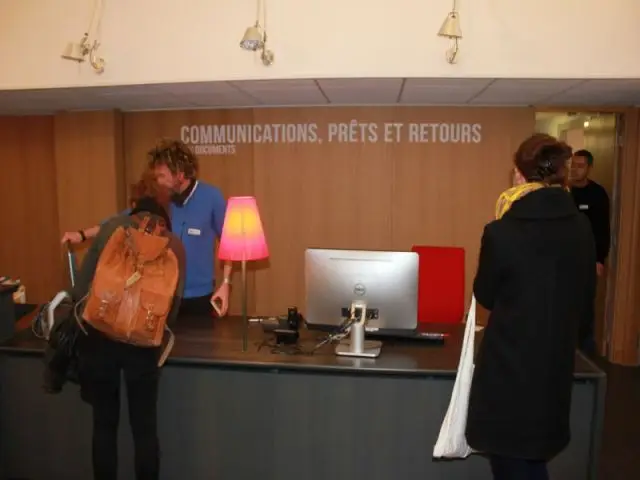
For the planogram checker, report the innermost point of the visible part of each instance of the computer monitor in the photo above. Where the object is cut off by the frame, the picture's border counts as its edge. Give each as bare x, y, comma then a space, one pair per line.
386, 281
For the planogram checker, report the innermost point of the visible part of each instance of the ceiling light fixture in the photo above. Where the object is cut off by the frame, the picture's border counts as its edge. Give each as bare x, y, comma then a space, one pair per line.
79, 51
255, 37
451, 29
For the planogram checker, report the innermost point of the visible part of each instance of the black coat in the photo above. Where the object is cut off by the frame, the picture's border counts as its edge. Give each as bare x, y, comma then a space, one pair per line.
537, 276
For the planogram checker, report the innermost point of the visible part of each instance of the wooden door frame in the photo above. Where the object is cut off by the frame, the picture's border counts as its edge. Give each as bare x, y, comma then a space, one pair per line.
612, 268
624, 345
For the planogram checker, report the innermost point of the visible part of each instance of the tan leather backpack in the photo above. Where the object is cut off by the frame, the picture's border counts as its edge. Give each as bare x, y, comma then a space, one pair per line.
134, 285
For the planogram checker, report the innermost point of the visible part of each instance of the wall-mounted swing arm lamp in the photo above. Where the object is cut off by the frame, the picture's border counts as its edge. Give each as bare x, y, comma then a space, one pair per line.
255, 37
86, 48
451, 29
78, 52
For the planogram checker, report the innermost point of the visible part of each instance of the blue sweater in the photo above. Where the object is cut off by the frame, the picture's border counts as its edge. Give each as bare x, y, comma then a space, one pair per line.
197, 224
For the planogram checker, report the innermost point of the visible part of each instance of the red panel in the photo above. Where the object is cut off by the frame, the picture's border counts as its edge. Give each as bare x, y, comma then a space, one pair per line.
440, 284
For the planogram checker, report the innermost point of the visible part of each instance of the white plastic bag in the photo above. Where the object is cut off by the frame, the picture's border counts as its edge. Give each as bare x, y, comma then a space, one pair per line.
452, 441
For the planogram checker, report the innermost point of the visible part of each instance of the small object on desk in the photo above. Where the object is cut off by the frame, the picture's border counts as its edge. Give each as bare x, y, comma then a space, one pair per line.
272, 323
286, 336
20, 293
217, 308
424, 335
294, 319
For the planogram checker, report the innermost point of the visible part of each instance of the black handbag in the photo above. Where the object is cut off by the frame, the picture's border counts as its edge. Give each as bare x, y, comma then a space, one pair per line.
61, 355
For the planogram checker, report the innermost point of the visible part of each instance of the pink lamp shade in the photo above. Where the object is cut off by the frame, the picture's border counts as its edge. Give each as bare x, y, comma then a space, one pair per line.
242, 233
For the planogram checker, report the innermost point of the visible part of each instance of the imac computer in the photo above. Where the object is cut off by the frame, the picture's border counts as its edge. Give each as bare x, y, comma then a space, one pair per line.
382, 284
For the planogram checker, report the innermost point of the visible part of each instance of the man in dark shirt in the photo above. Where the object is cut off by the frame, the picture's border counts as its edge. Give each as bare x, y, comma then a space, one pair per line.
593, 201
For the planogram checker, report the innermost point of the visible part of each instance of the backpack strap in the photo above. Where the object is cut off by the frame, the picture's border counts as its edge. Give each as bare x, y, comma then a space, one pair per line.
76, 313
168, 348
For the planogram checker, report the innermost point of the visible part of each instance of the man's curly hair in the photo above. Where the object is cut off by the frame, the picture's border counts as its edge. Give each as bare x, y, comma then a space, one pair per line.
177, 157
147, 186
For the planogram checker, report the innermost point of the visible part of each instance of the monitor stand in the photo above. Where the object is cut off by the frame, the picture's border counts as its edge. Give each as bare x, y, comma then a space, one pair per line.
357, 346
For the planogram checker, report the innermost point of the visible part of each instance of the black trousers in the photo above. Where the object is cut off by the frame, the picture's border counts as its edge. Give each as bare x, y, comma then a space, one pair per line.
505, 468
196, 306
102, 362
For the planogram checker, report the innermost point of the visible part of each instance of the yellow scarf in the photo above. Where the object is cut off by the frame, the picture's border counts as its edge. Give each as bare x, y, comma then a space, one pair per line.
513, 194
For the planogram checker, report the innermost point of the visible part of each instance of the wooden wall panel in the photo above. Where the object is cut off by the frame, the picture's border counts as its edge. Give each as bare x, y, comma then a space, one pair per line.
361, 195
444, 194
325, 195
333, 194
90, 168
350, 194
30, 249
625, 328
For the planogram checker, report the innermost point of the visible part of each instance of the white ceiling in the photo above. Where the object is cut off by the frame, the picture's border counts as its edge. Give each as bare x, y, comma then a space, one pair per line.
380, 91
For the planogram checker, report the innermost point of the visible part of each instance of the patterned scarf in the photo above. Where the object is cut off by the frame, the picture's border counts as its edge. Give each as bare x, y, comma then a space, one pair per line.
513, 194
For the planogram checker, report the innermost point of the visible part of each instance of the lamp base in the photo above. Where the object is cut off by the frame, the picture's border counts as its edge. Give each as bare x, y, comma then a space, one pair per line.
370, 349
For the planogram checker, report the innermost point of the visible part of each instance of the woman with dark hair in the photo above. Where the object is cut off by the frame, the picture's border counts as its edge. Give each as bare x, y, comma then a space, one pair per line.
104, 361
148, 187
536, 276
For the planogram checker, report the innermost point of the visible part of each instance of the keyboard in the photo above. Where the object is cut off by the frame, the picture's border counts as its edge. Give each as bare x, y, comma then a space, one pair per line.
437, 338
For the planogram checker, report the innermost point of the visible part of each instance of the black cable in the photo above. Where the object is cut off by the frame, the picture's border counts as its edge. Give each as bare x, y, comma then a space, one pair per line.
296, 349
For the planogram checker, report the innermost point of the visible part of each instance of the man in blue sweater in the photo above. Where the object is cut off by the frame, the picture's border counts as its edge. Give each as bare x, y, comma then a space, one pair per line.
197, 216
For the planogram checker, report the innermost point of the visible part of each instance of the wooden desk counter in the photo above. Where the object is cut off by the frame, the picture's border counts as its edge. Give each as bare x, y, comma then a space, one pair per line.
205, 341
228, 414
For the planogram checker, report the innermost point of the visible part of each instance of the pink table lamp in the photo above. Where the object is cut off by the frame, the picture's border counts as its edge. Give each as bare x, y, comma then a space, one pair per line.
243, 240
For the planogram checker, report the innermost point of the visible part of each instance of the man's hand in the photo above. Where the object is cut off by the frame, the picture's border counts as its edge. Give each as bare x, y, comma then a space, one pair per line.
599, 269
72, 237
221, 299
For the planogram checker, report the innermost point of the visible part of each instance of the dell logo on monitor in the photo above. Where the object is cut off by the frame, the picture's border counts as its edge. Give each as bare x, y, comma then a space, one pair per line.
359, 289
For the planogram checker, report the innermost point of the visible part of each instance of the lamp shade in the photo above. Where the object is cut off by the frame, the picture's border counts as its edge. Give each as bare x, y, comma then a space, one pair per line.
252, 39
242, 233
451, 26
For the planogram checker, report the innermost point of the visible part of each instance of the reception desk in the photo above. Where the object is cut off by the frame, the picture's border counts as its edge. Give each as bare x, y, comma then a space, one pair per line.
229, 415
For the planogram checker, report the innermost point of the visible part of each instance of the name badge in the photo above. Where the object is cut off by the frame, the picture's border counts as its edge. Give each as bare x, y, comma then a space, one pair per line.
194, 231
583, 207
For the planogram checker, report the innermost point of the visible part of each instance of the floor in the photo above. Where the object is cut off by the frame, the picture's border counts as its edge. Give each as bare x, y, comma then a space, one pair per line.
620, 456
